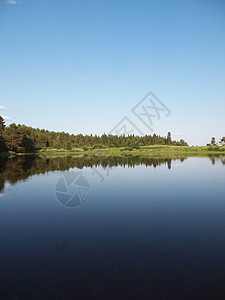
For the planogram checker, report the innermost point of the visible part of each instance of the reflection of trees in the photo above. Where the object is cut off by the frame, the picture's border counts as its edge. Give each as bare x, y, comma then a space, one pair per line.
20, 168
213, 160
216, 159
2, 170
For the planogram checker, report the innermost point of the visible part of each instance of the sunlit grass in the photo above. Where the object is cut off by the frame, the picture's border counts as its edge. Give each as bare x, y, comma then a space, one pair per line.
144, 151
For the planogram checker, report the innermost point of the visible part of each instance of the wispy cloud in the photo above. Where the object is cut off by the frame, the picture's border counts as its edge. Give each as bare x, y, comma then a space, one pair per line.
11, 2
6, 118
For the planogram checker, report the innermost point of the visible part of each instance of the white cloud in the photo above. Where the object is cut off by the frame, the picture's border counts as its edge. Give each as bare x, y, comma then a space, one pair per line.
2, 107
6, 118
11, 2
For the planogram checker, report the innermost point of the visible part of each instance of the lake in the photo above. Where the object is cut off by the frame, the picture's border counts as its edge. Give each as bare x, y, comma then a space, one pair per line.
112, 228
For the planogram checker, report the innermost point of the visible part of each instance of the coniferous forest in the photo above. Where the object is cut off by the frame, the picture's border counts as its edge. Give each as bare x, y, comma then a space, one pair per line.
24, 139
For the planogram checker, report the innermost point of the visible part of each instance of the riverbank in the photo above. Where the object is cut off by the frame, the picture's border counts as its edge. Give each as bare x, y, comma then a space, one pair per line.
143, 151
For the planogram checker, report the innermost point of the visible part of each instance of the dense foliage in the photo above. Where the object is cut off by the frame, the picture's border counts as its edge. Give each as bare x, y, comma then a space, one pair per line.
20, 138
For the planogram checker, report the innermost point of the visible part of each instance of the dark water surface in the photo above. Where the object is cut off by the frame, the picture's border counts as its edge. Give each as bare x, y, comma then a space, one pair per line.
112, 228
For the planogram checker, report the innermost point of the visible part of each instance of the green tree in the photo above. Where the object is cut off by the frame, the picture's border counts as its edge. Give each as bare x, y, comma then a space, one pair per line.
222, 141
182, 143
168, 139
68, 146
213, 141
2, 124
3, 146
12, 138
27, 145
154, 139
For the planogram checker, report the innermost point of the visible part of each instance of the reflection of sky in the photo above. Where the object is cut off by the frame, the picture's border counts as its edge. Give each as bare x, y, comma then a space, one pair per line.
136, 215
192, 174
186, 184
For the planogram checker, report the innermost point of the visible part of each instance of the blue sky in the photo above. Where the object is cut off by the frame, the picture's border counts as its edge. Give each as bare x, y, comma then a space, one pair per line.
81, 66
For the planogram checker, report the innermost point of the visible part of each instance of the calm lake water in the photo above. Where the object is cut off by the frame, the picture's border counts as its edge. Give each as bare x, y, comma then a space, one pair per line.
112, 228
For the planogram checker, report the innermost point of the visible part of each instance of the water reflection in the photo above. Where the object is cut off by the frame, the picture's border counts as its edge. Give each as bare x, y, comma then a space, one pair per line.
215, 160
157, 234
20, 168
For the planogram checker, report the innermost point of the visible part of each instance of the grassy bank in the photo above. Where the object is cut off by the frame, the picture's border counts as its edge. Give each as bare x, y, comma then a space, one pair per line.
144, 151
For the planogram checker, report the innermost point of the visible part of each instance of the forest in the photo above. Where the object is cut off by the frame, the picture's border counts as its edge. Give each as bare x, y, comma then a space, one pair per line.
24, 139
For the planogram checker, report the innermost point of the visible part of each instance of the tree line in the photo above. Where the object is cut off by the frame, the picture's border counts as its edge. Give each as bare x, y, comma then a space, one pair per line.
213, 141
24, 139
